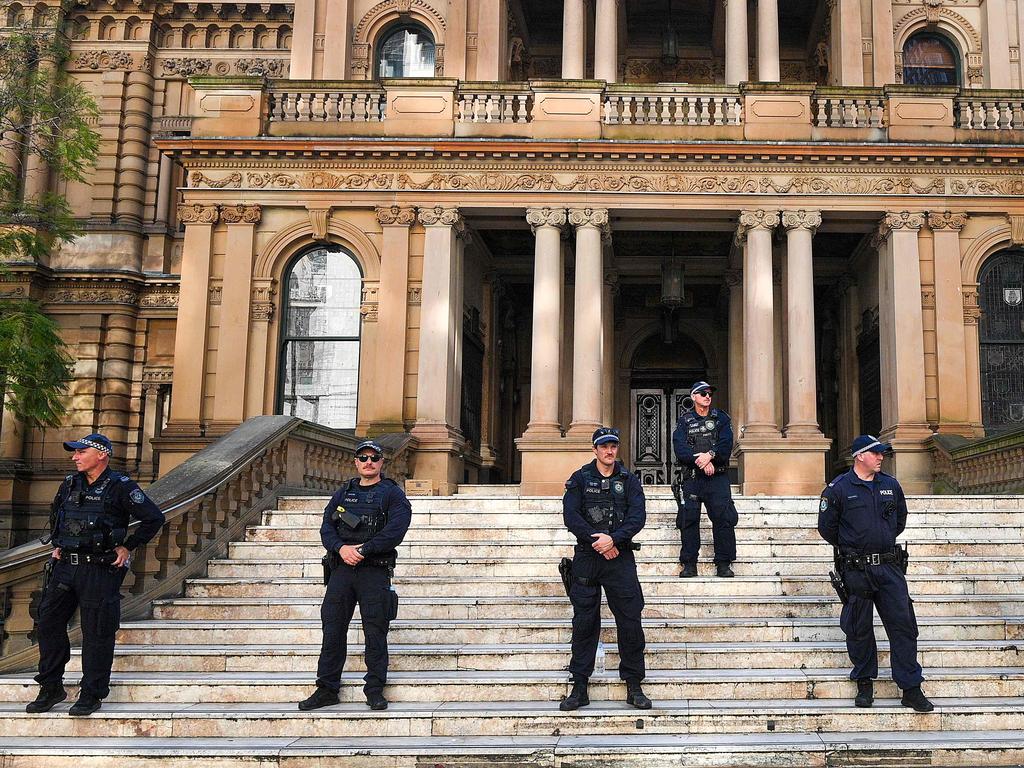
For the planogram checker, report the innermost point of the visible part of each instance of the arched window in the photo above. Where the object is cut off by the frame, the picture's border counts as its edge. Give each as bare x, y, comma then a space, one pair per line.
319, 361
930, 59
406, 51
1001, 333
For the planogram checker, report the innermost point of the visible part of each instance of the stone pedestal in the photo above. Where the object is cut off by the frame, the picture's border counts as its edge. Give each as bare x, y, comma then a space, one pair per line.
791, 467
547, 463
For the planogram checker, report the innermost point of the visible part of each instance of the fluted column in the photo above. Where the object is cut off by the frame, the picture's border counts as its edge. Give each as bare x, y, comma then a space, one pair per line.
736, 45
164, 190
587, 343
801, 384
574, 28
548, 278
759, 321
606, 35
734, 281
611, 278
972, 314
768, 41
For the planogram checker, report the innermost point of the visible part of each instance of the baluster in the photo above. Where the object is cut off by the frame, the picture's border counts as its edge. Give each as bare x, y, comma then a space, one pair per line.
21, 603
705, 109
521, 100
504, 108
666, 116
991, 115
877, 113
820, 117
1005, 115
489, 108
1017, 122
145, 565
979, 115
167, 548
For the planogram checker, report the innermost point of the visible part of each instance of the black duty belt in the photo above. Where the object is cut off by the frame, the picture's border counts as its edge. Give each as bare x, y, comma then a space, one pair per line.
865, 559
80, 558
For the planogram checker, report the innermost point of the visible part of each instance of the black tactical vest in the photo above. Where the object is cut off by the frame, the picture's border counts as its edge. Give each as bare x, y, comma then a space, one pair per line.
360, 516
604, 499
701, 431
87, 523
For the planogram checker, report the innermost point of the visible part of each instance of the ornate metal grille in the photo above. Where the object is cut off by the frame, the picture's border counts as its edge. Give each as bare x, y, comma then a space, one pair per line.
1001, 332
649, 454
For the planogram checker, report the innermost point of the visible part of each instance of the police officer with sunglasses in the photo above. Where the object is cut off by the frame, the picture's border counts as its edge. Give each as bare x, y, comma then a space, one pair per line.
364, 522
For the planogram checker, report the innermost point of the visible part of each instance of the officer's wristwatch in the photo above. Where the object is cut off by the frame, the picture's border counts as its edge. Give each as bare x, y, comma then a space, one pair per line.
711, 454
360, 551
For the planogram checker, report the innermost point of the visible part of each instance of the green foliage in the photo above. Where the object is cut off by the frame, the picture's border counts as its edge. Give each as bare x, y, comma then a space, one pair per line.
34, 364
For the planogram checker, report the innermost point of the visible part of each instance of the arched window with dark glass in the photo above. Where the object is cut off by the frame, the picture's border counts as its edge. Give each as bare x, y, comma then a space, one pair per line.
1001, 336
930, 59
405, 51
319, 354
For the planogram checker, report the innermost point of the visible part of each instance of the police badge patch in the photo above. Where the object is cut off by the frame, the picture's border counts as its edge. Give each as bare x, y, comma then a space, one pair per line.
709, 424
824, 504
137, 496
618, 486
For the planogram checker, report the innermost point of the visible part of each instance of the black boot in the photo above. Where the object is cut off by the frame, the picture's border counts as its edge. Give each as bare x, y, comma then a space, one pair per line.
865, 693
689, 571
86, 705
321, 698
724, 571
577, 697
915, 698
47, 699
376, 701
635, 695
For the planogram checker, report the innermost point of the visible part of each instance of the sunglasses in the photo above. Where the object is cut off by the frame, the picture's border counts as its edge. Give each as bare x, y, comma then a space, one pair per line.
702, 394
369, 457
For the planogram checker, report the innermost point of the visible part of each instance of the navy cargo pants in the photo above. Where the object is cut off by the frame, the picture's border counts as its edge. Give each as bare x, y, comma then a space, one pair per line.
714, 493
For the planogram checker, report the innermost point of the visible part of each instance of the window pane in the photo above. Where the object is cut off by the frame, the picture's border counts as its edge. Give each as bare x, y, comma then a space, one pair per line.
929, 60
324, 295
406, 53
320, 381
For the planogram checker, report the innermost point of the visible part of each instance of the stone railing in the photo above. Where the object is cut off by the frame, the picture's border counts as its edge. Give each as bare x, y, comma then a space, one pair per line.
208, 501
986, 465
171, 124
594, 110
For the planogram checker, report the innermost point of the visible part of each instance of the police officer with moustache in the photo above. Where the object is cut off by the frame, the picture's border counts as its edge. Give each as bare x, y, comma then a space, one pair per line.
604, 508
89, 520
860, 514
364, 522
703, 443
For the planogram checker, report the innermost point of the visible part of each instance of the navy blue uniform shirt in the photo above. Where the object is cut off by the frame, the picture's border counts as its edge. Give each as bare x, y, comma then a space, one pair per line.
862, 516
393, 503
572, 507
723, 445
126, 499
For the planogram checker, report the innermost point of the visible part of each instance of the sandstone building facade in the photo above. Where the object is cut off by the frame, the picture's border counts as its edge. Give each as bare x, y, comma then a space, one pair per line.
496, 224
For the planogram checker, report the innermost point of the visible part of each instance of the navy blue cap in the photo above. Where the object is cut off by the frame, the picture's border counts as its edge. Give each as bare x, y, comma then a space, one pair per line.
701, 386
605, 435
868, 443
95, 440
370, 444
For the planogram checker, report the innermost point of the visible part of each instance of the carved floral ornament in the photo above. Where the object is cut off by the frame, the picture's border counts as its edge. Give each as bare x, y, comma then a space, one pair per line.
545, 217
110, 60
241, 213
801, 219
947, 220
396, 215
589, 217
440, 216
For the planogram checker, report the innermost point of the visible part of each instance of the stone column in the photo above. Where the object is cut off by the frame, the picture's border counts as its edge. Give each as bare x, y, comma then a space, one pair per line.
164, 190
134, 146
950, 340
848, 426
303, 23
734, 281
901, 340
997, 44
848, 48
883, 51
437, 422
489, 402
261, 312
574, 27
231, 381
193, 319
759, 321
608, 347
548, 280
801, 383
337, 36
587, 365
606, 38
736, 46
768, 41
972, 314
393, 305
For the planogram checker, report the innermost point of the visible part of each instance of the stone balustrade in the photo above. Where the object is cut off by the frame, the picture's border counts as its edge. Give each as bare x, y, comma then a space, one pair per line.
208, 501
990, 111
987, 465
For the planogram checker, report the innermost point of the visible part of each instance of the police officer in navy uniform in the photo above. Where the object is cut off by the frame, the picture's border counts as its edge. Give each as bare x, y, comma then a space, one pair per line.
364, 522
89, 520
703, 443
860, 514
604, 508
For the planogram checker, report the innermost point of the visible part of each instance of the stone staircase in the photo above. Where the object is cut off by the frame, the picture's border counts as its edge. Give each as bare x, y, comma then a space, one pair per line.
750, 671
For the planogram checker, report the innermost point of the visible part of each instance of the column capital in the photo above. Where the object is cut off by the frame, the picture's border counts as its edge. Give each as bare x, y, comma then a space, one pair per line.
972, 309
241, 214
901, 220
588, 217
194, 213
440, 216
546, 217
801, 219
396, 215
759, 219
946, 220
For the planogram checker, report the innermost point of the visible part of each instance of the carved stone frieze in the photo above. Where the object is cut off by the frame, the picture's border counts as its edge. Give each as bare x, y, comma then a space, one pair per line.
801, 219
439, 215
261, 67
545, 217
154, 375
200, 179
194, 213
396, 215
947, 220
241, 213
164, 297
110, 60
186, 67
1006, 186
91, 292
588, 217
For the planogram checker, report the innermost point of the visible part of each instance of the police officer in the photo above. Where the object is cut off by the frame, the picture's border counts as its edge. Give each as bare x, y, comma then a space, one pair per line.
364, 522
703, 443
604, 508
89, 520
861, 513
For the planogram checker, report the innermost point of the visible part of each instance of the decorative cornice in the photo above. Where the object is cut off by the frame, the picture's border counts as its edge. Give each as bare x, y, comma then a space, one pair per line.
439, 216
588, 217
241, 213
904, 220
801, 219
91, 292
546, 217
194, 213
947, 220
396, 215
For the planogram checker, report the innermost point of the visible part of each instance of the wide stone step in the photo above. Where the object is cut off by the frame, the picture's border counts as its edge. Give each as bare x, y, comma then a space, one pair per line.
425, 608
492, 632
244, 720
256, 657
467, 686
991, 748
272, 597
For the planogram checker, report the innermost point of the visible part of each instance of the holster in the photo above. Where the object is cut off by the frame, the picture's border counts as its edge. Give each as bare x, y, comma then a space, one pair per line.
839, 585
48, 572
565, 571
329, 562
902, 557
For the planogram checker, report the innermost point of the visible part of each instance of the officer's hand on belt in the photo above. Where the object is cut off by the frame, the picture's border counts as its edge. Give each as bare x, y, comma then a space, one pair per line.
604, 546
350, 554
56, 553
123, 556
